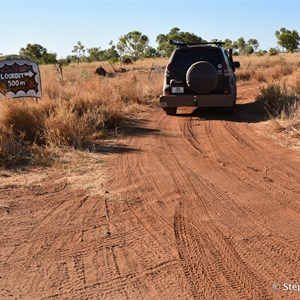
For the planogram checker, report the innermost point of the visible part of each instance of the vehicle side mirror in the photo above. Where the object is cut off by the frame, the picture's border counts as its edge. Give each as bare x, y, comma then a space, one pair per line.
236, 64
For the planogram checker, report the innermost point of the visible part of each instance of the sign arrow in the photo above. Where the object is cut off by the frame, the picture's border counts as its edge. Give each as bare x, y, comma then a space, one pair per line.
29, 74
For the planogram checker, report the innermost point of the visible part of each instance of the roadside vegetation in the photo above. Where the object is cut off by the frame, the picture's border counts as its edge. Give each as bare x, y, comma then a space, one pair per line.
279, 78
79, 111
136, 45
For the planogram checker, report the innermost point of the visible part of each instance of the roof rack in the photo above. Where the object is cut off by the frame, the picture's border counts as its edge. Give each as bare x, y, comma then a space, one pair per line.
184, 44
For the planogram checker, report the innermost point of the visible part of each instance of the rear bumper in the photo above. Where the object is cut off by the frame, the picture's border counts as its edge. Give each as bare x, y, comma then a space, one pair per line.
197, 100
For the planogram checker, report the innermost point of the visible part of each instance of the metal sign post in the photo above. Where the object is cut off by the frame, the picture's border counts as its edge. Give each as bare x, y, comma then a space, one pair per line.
19, 78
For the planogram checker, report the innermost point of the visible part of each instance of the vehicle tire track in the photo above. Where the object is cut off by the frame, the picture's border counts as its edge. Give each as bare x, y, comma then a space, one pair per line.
183, 185
187, 212
291, 253
229, 150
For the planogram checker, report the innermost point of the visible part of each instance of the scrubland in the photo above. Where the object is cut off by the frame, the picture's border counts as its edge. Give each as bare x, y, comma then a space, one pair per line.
280, 93
79, 109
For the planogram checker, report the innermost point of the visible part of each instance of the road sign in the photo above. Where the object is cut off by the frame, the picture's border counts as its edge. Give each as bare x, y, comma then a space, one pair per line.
19, 78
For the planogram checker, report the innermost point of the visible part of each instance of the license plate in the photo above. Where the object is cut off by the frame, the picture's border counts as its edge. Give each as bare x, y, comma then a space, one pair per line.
177, 89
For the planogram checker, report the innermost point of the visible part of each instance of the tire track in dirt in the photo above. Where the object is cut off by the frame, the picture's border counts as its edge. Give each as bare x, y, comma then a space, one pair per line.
279, 241
201, 193
182, 188
80, 261
188, 212
271, 177
221, 239
267, 168
144, 195
241, 160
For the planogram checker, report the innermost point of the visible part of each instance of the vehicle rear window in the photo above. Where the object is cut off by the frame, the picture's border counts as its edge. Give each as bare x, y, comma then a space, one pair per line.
184, 58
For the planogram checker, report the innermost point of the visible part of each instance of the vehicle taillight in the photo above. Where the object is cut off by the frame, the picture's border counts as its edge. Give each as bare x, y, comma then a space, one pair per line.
226, 92
167, 91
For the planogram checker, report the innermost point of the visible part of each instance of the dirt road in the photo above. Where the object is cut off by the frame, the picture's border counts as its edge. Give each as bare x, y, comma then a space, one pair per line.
197, 206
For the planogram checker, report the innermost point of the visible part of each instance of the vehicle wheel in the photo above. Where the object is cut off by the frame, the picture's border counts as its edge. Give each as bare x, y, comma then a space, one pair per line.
170, 111
202, 77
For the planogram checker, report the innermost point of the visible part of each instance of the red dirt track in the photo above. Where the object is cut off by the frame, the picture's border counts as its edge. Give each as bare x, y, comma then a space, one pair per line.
195, 206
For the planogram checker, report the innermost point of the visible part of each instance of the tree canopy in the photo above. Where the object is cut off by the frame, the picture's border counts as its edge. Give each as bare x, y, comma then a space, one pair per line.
38, 53
288, 39
165, 48
97, 54
133, 44
79, 51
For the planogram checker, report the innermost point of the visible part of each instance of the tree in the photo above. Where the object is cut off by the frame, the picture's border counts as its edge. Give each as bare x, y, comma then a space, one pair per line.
273, 51
288, 39
38, 54
151, 52
79, 51
133, 44
111, 53
240, 44
165, 48
253, 43
244, 47
228, 44
49, 58
96, 54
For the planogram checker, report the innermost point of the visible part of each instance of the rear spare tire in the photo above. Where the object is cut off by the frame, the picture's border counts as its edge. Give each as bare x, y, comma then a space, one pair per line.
202, 77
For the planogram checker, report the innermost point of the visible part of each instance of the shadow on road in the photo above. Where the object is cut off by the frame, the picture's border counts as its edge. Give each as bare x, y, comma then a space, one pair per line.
110, 149
130, 128
244, 113
136, 129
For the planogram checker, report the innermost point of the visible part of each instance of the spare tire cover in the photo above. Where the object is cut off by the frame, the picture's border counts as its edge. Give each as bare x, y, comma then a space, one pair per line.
201, 77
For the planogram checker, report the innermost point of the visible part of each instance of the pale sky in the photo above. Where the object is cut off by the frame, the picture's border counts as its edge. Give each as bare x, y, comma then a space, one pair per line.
58, 25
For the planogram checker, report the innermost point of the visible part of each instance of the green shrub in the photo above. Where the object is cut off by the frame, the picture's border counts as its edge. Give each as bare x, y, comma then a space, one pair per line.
273, 51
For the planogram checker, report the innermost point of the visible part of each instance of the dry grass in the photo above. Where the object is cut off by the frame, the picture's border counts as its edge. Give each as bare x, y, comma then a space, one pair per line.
267, 68
76, 111
281, 93
80, 108
26, 119
279, 101
13, 150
